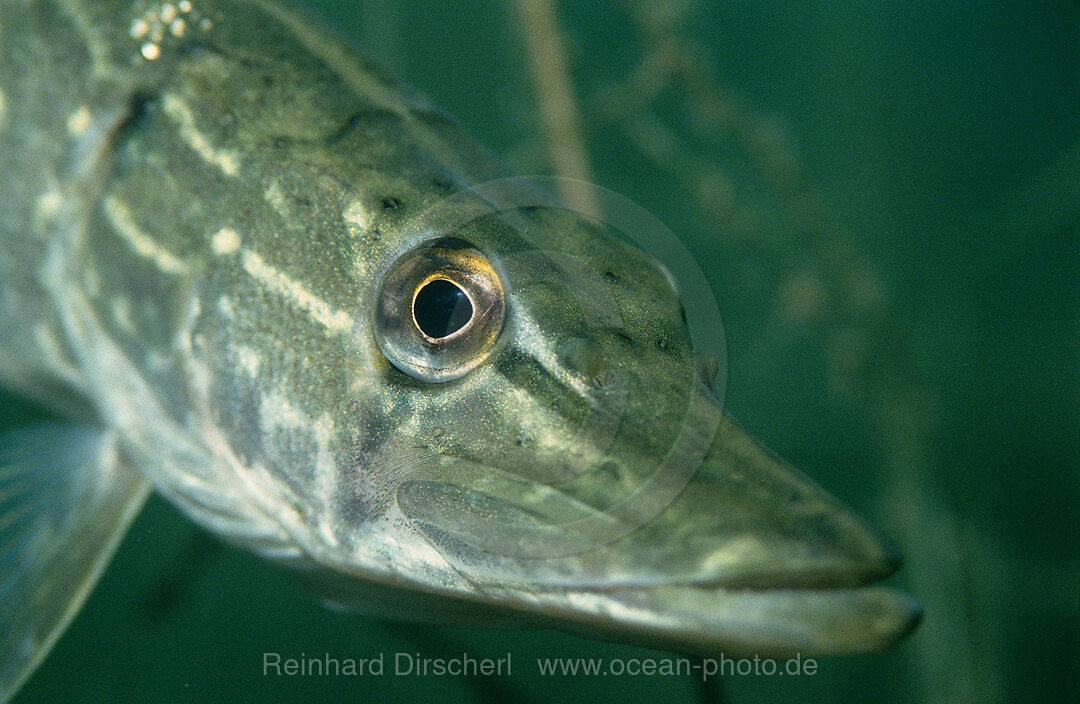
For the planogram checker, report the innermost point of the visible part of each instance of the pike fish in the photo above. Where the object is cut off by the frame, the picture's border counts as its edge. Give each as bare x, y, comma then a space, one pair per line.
245, 268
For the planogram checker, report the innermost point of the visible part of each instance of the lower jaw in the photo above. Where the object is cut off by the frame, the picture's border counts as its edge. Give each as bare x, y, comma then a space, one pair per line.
708, 620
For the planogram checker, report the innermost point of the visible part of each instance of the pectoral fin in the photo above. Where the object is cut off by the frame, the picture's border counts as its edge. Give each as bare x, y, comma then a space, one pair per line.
66, 500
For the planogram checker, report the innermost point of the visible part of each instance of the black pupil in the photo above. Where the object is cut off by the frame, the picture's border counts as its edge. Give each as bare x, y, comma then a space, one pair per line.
441, 308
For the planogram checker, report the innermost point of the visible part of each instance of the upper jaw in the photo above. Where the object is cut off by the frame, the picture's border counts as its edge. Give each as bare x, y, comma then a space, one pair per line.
743, 554
740, 519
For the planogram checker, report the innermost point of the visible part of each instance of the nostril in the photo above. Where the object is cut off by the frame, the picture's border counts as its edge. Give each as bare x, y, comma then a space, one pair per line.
584, 356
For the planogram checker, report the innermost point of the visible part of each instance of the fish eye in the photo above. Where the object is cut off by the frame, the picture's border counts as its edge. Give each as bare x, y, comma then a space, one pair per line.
439, 311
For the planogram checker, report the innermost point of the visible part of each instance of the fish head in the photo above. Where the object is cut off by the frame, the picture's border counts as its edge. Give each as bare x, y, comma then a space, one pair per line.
541, 439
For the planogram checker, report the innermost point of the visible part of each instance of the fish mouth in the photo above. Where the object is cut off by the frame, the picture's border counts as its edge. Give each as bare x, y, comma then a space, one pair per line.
731, 551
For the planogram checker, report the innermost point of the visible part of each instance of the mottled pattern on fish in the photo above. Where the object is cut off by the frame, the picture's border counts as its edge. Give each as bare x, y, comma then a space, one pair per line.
196, 198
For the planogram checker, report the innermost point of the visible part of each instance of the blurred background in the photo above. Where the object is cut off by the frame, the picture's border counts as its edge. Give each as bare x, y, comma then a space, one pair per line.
885, 199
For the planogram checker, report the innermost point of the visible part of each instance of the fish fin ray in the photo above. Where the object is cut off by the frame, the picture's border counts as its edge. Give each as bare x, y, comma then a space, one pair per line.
66, 501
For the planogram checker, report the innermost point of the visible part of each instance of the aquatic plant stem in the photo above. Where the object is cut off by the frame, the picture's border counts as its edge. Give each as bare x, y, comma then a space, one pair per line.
546, 49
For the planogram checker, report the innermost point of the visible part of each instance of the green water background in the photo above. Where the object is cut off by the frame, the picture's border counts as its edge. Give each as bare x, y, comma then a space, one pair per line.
885, 198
